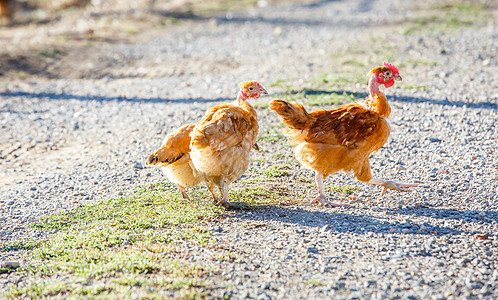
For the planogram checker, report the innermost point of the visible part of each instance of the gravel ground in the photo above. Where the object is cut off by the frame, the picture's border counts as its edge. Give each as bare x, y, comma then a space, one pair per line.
76, 140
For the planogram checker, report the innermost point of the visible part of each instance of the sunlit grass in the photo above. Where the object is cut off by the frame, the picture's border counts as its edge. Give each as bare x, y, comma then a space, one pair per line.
251, 196
278, 170
446, 17
116, 239
346, 189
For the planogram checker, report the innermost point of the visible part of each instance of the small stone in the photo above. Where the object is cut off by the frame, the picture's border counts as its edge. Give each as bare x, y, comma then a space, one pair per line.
312, 250
9, 265
217, 229
138, 165
263, 296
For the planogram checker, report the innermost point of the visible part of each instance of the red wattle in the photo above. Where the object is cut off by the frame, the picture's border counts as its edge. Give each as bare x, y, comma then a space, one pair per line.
389, 83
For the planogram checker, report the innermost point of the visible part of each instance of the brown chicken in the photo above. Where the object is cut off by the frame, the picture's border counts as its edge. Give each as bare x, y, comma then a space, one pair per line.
216, 149
343, 138
6, 10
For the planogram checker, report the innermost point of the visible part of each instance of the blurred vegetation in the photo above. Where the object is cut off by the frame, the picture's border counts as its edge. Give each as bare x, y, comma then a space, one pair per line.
446, 17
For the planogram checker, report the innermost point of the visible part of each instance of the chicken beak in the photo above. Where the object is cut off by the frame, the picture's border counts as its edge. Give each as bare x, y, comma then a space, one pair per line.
398, 77
263, 91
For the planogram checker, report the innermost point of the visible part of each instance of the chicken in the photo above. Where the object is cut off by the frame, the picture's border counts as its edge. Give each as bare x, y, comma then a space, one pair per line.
222, 139
343, 138
6, 10
216, 149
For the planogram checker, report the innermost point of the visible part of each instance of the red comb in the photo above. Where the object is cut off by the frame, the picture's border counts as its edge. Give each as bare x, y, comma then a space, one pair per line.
388, 65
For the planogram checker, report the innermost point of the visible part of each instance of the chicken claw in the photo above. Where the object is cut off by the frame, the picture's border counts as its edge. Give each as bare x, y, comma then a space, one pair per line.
398, 186
183, 191
392, 185
322, 199
223, 203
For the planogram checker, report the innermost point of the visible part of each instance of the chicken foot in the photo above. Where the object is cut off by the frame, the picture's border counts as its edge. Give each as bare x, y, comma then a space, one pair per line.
183, 191
322, 199
223, 185
211, 188
392, 185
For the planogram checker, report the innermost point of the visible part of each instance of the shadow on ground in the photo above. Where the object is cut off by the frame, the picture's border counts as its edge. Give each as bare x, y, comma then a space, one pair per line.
359, 96
362, 224
63, 96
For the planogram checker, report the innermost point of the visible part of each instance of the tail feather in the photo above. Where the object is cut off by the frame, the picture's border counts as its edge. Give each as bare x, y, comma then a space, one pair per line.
163, 156
293, 115
175, 146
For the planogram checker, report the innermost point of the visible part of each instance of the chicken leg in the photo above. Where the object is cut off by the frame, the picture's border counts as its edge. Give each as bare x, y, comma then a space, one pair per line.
183, 191
387, 184
223, 185
322, 199
211, 188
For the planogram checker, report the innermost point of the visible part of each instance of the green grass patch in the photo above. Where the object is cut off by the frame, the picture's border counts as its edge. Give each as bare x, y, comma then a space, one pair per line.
133, 238
313, 97
199, 6
315, 282
49, 53
132, 247
447, 17
343, 79
346, 189
256, 195
272, 135
354, 62
130, 30
319, 97
284, 85
308, 180
281, 155
278, 170
22, 75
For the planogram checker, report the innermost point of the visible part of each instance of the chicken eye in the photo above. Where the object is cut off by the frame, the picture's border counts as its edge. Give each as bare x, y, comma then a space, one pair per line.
388, 74
251, 88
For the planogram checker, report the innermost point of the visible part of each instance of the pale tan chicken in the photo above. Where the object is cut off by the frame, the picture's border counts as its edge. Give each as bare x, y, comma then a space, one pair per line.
222, 140
216, 149
328, 141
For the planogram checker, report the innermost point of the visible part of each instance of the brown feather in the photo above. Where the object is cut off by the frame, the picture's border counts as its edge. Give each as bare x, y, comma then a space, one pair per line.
339, 139
345, 125
222, 127
222, 140
175, 145
293, 115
